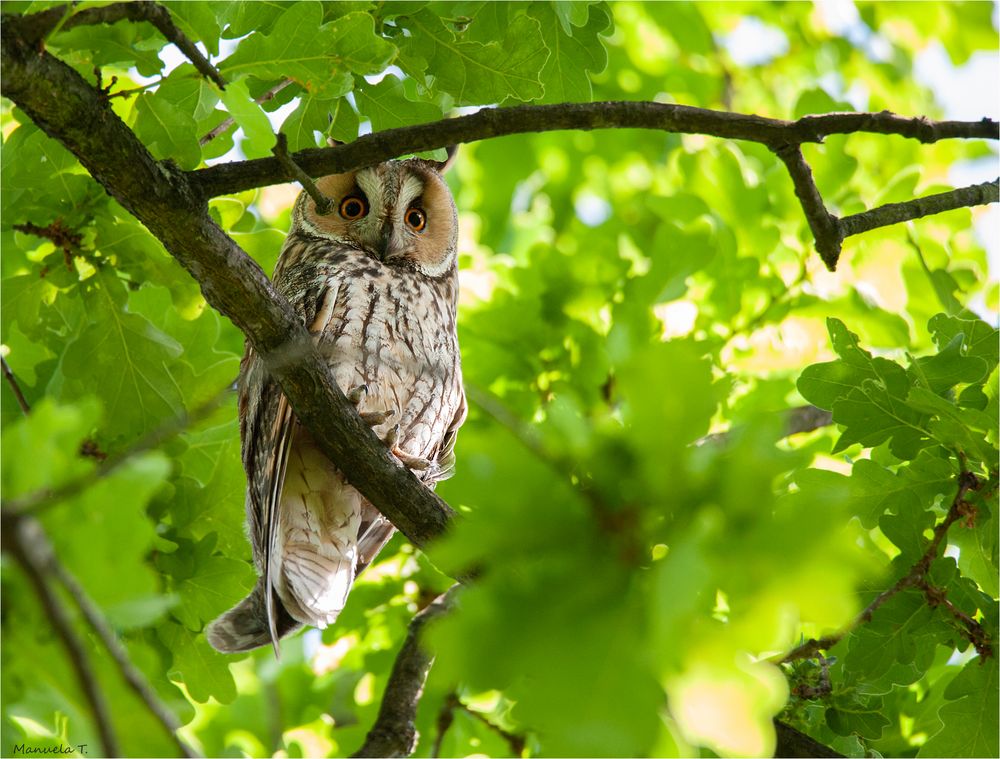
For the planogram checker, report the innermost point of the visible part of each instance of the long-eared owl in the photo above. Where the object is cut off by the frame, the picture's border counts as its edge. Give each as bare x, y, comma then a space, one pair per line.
375, 281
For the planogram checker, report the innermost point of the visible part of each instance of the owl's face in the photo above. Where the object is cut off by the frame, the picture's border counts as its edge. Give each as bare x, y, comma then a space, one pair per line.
399, 212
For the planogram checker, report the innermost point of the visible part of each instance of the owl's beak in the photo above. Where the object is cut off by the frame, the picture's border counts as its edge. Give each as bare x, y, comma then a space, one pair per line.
389, 244
385, 241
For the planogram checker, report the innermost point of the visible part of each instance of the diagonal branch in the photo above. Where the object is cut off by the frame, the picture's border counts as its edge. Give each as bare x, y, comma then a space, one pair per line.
393, 733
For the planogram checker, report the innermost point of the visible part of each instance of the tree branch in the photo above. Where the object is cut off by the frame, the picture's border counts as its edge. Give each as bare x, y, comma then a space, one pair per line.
26, 541
916, 577
67, 108
498, 122
393, 733
36, 26
896, 213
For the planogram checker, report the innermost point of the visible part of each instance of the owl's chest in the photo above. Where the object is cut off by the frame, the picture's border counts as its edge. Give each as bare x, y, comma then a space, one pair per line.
396, 337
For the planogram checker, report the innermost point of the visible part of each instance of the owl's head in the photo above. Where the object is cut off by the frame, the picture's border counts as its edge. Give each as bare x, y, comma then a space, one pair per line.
399, 212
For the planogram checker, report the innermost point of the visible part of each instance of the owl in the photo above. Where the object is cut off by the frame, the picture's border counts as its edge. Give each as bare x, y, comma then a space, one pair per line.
375, 281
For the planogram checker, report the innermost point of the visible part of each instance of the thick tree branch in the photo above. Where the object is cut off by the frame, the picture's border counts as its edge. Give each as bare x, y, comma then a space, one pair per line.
60, 102
25, 540
33, 28
393, 733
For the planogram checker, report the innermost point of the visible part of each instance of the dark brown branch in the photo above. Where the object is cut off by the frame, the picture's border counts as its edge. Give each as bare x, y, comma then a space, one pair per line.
25, 540
896, 213
916, 577
280, 149
393, 733
59, 101
498, 122
823, 224
35, 27
12, 381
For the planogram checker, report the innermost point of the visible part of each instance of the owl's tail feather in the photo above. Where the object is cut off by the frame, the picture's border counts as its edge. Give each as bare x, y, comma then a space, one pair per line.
244, 627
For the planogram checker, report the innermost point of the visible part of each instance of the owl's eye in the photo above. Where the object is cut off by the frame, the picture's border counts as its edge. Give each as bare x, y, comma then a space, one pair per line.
352, 208
416, 219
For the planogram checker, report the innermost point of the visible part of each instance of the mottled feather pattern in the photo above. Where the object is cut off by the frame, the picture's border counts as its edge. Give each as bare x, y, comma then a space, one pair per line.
385, 321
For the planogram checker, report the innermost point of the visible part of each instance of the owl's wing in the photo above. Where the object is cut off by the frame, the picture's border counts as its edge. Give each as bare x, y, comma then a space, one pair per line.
267, 427
445, 461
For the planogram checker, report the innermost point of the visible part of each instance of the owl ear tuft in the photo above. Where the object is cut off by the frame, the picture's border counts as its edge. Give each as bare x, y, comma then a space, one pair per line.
442, 166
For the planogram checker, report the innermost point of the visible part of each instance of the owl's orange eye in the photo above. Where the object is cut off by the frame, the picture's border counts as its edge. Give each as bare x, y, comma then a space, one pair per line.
352, 208
416, 219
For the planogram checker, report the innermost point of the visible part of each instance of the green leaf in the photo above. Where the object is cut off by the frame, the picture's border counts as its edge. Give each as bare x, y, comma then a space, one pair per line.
167, 131
251, 117
120, 357
949, 367
475, 73
51, 436
571, 13
979, 338
824, 384
319, 57
970, 719
572, 58
335, 117
387, 107
203, 671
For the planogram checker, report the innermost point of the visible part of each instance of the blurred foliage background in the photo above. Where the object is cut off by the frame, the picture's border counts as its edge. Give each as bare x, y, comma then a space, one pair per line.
626, 295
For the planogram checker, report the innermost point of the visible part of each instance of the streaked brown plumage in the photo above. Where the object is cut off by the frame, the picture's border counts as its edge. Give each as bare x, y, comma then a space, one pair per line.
376, 281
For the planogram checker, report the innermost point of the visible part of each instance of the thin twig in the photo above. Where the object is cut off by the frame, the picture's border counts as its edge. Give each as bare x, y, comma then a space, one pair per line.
24, 538
280, 149
135, 679
36, 501
896, 213
12, 381
917, 575
35, 26
229, 122
393, 733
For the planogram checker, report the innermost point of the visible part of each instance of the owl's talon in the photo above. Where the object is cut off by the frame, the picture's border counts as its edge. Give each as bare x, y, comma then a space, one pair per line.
372, 418
354, 396
391, 437
411, 462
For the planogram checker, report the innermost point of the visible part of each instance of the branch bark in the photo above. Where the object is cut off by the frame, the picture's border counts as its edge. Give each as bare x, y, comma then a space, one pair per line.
393, 733
499, 122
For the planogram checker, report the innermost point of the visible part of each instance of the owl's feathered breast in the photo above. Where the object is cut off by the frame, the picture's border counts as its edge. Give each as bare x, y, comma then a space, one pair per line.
384, 327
